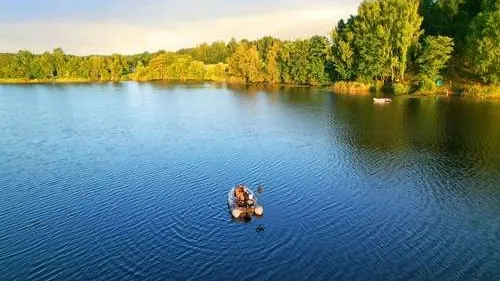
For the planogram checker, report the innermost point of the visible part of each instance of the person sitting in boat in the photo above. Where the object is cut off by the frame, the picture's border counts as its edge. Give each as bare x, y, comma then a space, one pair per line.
243, 198
240, 194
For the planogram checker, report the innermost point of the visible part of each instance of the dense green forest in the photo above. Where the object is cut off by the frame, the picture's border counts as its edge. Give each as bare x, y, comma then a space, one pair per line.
388, 42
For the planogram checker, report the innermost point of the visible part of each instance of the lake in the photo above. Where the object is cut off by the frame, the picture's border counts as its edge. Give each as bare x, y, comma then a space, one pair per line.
129, 181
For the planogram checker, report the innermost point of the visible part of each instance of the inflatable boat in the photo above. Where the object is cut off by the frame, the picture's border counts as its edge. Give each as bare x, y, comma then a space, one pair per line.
242, 202
381, 100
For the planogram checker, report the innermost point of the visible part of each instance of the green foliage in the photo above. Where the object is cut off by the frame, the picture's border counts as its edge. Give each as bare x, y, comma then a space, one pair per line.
271, 64
170, 66
21, 65
405, 32
158, 65
427, 84
319, 50
483, 45
298, 62
371, 37
343, 54
141, 73
474, 27
451, 18
284, 62
232, 46
178, 69
351, 87
117, 67
5, 62
377, 86
216, 72
216, 52
400, 88
97, 69
45, 66
59, 61
435, 54
195, 71
264, 45
384, 32
492, 91
245, 64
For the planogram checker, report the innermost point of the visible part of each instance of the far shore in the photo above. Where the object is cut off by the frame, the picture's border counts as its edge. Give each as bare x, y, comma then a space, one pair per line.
351, 88
50, 81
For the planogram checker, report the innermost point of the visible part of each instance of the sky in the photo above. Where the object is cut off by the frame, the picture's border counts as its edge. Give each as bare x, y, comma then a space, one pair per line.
85, 27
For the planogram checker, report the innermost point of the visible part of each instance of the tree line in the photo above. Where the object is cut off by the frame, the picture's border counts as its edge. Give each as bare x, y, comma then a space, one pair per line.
388, 41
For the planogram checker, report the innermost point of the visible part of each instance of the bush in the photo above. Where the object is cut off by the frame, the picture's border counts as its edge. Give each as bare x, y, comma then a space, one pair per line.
427, 85
478, 90
351, 87
400, 89
377, 86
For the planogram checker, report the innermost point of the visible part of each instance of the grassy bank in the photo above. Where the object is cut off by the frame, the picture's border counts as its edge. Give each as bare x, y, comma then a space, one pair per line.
463, 87
450, 88
358, 88
480, 91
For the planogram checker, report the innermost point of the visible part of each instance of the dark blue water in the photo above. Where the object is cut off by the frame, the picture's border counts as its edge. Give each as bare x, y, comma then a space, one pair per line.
128, 182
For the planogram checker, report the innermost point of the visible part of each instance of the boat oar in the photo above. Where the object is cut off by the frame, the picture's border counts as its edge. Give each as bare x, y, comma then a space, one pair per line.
260, 189
259, 210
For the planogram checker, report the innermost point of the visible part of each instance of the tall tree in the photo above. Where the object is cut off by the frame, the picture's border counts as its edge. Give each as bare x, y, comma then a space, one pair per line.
285, 62
117, 67
218, 53
451, 17
21, 65
158, 65
343, 54
5, 62
178, 70
385, 31
372, 38
59, 62
298, 63
232, 45
483, 45
47, 66
97, 69
140, 72
271, 64
319, 51
245, 63
435, 54
405, 30
264, 44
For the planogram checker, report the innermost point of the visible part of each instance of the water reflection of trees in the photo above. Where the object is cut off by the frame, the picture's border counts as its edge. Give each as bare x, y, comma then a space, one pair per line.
464, 130
172, 85
286, 94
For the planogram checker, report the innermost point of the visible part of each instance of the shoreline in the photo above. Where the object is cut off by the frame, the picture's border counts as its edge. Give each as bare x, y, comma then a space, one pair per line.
14, 81
473, 90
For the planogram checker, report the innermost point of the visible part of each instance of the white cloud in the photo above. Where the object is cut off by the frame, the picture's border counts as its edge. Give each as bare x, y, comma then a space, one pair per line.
91, 37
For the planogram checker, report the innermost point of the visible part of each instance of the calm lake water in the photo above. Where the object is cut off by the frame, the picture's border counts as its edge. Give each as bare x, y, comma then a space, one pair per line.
129, 182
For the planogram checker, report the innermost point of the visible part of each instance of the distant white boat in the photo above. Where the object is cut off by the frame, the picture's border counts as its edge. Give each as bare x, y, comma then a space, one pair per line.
381, 100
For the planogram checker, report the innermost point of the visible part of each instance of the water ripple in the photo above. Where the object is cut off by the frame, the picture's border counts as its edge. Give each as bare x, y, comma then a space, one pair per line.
103, 182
